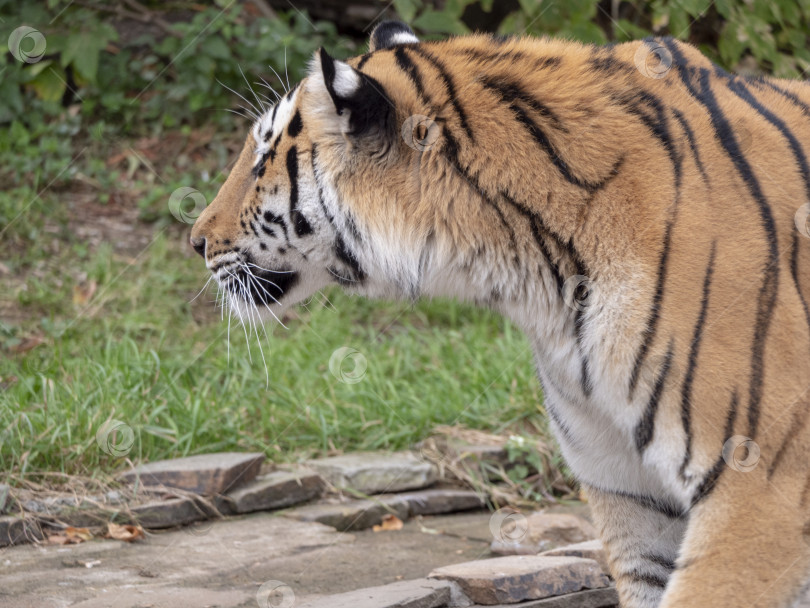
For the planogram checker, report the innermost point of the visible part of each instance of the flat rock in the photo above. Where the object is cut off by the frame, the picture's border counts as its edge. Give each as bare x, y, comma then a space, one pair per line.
352, 515
519, 535
439, 501
591, 598
277, 490
590, 549
508, 580
18, 531
421, 593
376, 472
205, 474
168, 513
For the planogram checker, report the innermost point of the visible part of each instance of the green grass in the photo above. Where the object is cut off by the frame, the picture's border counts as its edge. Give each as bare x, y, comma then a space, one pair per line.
139, 351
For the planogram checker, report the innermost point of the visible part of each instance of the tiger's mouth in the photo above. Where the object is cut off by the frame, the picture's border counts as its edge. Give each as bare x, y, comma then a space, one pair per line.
254, 284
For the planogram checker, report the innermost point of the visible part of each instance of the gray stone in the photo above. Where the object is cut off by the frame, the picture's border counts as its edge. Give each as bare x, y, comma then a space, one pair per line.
277, 490
5, 498
18, 531
376, 472
590, 549
422, 593
519, 535
508, 580
352, 515
205, 474
592, 598
167, 513
436, 502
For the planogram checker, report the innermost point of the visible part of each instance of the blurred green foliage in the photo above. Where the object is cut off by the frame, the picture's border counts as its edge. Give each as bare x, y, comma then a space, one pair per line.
104, 73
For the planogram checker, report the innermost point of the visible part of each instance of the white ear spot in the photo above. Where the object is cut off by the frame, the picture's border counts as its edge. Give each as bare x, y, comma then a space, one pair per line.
347, 81
403, 38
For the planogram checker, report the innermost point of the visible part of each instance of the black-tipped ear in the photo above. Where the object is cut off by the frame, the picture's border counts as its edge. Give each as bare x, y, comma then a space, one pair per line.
390, 33
357, 95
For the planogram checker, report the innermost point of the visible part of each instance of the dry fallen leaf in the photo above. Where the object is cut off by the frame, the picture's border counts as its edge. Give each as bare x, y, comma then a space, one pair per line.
70, 536
389, 522
127, 532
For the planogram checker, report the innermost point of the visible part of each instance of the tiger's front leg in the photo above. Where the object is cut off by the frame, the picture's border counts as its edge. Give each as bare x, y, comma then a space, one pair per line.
642, 537
747, 544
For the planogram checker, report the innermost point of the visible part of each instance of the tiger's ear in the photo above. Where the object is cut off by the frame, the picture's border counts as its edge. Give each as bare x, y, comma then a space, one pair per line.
357, 99
390, 33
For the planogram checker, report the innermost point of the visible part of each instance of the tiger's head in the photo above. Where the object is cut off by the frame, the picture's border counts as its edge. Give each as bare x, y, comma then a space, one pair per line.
330, 188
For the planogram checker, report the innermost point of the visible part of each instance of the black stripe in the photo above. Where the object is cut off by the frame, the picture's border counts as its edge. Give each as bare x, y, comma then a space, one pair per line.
656, 123
740, 90
406, 65
347, 257
653, 580
301, 225
690, 137
660, 560
655, 311
709, 482
792, 97
645, 429
663, 507
540, 137
296, 125
694, 350
450, 149
766, 299
800, 414
363, 60
794, 271
511, 91
449, 85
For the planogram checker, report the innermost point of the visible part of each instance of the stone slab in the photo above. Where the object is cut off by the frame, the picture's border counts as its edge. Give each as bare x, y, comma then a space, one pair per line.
591, 598
167, 513
18, 531
376, 472
352, 515
590, 549
205, 474
518, 578
422, 593
538, 532
440, 501
277, 490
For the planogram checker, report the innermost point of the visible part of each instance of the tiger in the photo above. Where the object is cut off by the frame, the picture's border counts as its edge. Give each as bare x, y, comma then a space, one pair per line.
640, 213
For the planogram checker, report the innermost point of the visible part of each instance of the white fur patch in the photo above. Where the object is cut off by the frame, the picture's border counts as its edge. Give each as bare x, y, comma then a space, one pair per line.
403, 38
347, 81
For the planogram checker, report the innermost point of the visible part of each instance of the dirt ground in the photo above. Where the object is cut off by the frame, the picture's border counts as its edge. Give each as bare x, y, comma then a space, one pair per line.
223, 564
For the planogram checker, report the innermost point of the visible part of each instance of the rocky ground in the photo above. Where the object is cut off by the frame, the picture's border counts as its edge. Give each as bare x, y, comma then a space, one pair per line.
368, 530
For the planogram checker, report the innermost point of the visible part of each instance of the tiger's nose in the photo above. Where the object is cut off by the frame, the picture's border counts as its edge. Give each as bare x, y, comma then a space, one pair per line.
198, 244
